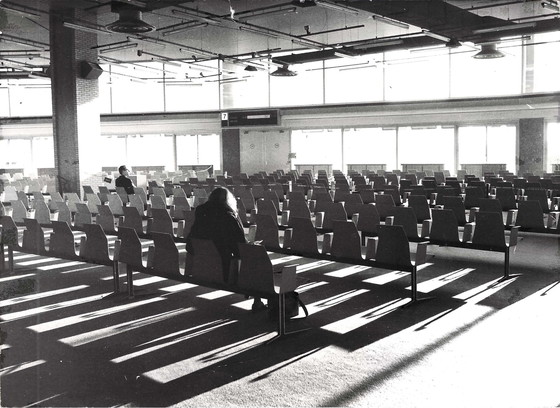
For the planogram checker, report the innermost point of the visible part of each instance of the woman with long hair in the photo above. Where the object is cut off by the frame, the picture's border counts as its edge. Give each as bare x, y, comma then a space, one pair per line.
218, 220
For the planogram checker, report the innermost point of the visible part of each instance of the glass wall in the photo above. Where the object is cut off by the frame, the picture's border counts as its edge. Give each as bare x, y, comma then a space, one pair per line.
199, 150
317, 146
488, 144
370, 146
529, 66
427, 145
553, 147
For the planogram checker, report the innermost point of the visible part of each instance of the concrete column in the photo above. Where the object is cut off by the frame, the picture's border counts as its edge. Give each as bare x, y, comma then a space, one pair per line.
76, 109
231, 151
531, 146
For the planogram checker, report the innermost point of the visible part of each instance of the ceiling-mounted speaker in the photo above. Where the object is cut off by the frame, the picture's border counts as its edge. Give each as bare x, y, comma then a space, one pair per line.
90, 70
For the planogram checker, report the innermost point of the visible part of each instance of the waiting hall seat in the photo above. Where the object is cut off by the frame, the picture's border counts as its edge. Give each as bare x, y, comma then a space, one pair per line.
506, 195
83, 215
384, 204
63, 241
33, 237
19, 212
266, 231
303, 237
421, 207
406, 217
455, 203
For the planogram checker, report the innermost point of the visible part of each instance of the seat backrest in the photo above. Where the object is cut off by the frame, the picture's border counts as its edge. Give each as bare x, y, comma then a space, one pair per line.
352, 203
19, 212
304, 236
473, 194
346, 240
255, 270
62, 240
298, 209
530, 214
455, 203
444, 226
42, 213
116, 204
267, 230
23, 198
158, 201
393, 247
406, 217
105, 218
136, 201
489, 229
384, 204
421, 207
96, 246
132, 220
92, 202
273, 196
121, 192
33, 237
166, 254
141, 192
72, 199
267, 207
333, 212
131, 248
490, 205
368, 196
83, 215
205, 263
368, 219
9, 234
161, 222
64, 213
538, 194
506, 195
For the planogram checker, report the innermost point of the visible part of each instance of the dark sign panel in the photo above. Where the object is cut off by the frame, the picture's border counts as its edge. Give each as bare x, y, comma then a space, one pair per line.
250, 118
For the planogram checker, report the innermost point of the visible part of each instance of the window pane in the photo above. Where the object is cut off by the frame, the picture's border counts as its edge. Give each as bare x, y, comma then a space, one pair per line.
370, 146
431, 145
417, 75
247, 89
16, 153
472, 144
546, 62
43, 152
471, 77
321, 146
502, 146
187, 149
354, 81
553, 147
4, 102
114, 152
151, 150
304, 89
209, 150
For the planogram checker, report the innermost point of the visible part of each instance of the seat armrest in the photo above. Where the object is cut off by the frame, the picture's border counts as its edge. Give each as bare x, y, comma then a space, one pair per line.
312, 204
513, 237
252, 233
287, 238
552, 220
355, 218
472, 213
426, 226
252, 216
371, 247
510, 219
82, 245
421, 250
151, 253
117, 250
286, 281
327, 242
285, 217
389, 220
319, 217
180, 228
468, 231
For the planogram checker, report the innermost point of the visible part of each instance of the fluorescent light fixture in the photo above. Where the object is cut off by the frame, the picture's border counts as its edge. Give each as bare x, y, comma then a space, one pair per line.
252, 30
193, 14
24, 41
161, 58
86, 28
373, 44
20, 11
390, 21
307, 44
118, 47
436, 36
358, 66
337, 7
181, 27
20, 54
505, 28
256, 14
